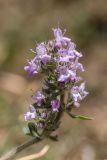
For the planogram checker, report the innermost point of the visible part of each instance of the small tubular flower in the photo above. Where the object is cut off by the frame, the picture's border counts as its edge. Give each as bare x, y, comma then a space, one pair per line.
33, 67
38, 97
31, 114
55, 105
78, 93
59, 38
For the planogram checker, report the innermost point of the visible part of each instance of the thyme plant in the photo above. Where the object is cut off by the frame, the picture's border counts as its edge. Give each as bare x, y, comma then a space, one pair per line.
63, 89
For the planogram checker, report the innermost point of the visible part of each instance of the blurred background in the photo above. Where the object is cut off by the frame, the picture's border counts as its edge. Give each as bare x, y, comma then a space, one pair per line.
22, 24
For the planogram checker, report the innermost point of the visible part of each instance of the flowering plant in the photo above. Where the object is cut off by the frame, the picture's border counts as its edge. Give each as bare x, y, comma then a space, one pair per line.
58, 61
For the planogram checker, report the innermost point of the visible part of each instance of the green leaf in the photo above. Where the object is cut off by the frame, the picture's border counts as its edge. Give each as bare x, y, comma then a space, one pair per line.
84, 117
26, 130
33, 129
79, 116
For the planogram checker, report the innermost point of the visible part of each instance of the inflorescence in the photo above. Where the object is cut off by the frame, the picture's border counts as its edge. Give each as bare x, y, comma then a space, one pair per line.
58, 61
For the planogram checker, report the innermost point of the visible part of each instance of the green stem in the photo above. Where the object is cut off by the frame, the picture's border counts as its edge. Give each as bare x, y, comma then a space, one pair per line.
12, 153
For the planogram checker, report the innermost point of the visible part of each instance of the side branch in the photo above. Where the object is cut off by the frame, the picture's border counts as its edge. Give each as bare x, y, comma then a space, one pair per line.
12, 153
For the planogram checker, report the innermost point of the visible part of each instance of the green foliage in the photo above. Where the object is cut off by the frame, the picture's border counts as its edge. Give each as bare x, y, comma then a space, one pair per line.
31, 130
81, 117
26, 130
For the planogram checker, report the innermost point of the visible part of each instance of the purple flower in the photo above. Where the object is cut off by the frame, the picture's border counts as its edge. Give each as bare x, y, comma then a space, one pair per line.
43, 115
31, 114
63, 78
66, 74
75, 65
71, 73
78, 93
66, 56
33, 67
59, 38
42, 53
45, 58
62, 52
67, 77
38, 97
71, 46
76, 79
64, 59
41, 49
77, 54
55, 105
82, 90
78, 65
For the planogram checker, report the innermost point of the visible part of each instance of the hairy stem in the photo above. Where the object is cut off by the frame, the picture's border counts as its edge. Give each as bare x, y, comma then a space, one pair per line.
12, 153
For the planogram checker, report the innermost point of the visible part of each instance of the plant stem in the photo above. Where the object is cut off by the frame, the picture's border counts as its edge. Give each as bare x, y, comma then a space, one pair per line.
12, 153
